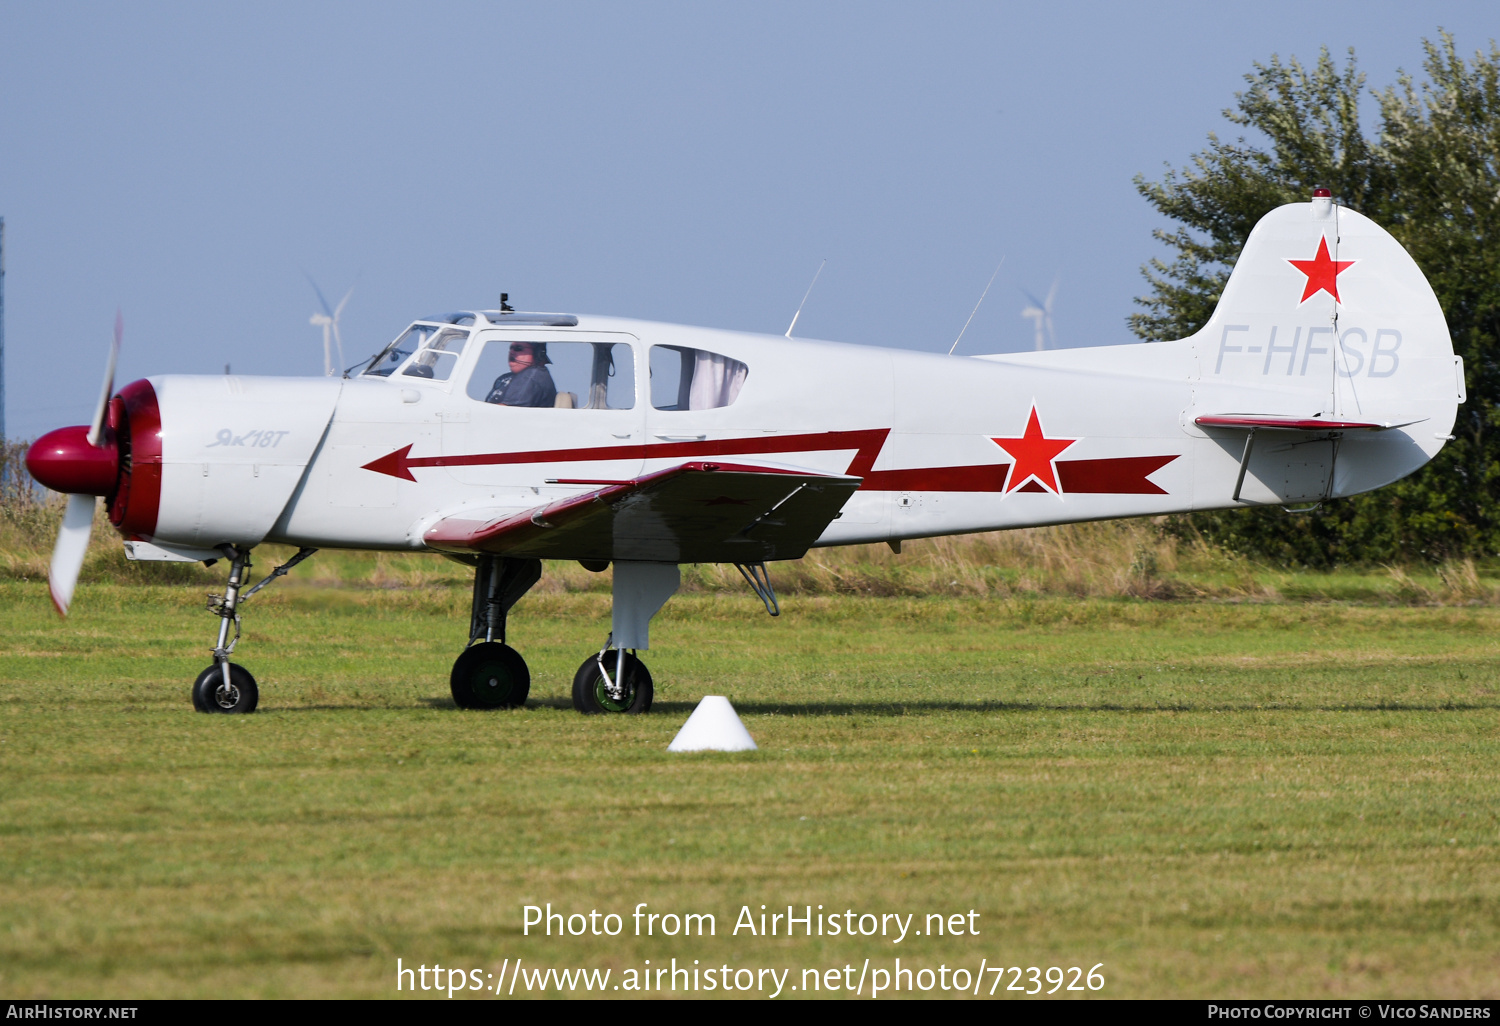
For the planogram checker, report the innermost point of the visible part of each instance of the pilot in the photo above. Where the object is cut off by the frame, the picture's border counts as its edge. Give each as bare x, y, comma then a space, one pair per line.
528, 383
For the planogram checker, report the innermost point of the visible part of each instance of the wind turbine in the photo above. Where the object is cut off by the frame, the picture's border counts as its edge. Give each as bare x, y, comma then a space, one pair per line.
1041, 315
328, 320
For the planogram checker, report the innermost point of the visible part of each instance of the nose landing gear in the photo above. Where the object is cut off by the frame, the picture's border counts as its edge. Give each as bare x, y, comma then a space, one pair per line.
226, 687
216, 692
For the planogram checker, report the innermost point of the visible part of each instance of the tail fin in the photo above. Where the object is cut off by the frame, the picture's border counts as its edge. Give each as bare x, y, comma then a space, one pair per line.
1326, 315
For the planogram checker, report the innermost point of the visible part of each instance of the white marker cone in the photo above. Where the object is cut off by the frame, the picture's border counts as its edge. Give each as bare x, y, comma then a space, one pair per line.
713, 727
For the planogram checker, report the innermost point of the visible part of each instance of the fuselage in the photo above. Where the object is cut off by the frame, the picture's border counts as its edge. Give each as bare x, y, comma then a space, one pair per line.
1325, 370
941, 442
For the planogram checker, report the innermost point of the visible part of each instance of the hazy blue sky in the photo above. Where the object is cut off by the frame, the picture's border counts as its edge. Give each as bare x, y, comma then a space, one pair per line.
689, 162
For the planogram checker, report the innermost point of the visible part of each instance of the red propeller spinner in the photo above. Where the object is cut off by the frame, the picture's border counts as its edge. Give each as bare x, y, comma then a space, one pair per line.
97, 460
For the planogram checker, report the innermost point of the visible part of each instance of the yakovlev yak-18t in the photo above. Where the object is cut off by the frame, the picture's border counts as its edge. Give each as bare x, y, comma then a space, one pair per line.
501, 438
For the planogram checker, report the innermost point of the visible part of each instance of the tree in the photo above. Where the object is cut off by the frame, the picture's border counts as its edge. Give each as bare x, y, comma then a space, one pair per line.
1431, 175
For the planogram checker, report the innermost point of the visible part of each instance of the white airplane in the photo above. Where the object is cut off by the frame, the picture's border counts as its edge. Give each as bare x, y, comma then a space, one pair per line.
499, 438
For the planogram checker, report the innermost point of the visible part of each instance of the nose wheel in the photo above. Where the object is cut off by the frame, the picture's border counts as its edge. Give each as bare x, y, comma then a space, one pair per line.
217, 692
227, 687
612, 682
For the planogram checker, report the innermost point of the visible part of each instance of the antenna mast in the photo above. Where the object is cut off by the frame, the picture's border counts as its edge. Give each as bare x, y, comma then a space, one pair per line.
976, 307
804, 299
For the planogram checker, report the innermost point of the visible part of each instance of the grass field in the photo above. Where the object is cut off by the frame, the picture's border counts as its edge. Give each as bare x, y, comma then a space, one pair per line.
1212, 798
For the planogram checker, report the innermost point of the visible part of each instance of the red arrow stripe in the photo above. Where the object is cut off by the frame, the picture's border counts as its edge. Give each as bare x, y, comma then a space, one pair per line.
1125, 475
868, 443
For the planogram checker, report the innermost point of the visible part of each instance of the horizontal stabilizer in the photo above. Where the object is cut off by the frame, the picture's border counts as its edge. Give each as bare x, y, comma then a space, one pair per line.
1282, 422
693, 513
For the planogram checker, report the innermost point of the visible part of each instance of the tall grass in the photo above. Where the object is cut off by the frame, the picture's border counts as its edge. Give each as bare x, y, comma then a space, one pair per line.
1138, 559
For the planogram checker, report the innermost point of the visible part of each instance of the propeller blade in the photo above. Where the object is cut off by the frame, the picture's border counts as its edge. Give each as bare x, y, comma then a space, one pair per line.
340, 308
1034, 301
72, 546
319, 292
97, 429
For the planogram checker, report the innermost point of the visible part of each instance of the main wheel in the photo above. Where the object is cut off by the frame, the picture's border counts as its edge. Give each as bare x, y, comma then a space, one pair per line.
591, 692
490, 675
211, 695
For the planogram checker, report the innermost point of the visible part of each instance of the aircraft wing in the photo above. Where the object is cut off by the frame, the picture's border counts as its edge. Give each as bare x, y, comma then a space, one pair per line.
692, 513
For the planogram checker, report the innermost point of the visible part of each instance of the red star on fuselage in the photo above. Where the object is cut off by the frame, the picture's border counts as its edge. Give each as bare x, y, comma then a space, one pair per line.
1034, 454
1322, 273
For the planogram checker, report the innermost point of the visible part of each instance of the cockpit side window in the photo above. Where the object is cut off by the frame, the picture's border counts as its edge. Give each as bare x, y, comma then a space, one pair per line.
554, 374
694, 379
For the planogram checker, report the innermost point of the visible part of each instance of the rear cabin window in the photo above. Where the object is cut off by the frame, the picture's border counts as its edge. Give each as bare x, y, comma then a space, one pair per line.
694, 379
555, 375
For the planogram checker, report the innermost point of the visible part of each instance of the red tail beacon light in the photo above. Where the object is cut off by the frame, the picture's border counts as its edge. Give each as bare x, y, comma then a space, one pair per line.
1322, 203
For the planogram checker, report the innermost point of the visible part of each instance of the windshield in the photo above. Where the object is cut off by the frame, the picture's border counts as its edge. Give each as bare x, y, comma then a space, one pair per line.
395, 354
438, 355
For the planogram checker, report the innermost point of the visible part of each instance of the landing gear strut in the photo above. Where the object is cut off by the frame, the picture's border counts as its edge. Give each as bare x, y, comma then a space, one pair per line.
226, 687
489, 674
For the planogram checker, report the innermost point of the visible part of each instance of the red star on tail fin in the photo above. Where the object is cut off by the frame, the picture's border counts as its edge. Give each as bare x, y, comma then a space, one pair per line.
1322, 273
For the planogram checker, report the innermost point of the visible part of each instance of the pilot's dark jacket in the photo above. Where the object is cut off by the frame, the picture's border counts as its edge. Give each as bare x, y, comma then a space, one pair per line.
530, 387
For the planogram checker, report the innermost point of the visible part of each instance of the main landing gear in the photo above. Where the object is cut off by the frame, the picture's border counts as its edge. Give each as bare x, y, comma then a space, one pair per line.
492, 675
612, 682
489, 674
226, 687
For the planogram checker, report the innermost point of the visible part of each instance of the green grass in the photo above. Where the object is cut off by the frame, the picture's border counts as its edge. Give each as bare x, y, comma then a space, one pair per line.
1229, 799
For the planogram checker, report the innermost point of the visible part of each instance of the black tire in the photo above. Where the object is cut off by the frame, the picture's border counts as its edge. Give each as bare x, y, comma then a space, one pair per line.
490, 675
590, 694
210, 695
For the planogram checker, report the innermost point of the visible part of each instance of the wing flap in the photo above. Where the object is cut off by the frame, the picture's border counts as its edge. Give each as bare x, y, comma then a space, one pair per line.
1283, 422
693, 513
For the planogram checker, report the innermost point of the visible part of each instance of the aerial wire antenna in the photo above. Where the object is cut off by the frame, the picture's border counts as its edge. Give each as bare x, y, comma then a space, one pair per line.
976, 307
804, 298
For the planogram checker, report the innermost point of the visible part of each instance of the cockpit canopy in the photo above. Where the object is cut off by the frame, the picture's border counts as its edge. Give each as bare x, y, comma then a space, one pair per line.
437, 339
571, 374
